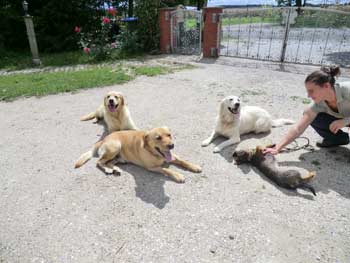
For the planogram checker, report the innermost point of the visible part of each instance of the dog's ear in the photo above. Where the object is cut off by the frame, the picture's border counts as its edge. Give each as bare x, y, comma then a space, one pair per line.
167, 129
122, 100
222, 107
259, 150
235, 157
105, 99
146, 137
271, 145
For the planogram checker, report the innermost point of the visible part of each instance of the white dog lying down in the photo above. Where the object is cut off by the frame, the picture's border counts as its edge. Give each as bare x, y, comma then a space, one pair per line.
234, 120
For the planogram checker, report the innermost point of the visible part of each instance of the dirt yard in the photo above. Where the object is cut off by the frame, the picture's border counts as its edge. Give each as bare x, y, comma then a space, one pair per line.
51, 212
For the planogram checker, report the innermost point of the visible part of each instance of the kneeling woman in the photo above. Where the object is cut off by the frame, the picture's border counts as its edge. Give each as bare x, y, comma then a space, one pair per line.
329, 113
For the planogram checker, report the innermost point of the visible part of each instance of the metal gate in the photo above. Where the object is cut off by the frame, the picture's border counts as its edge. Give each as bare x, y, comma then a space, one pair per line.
186, 28
309, 36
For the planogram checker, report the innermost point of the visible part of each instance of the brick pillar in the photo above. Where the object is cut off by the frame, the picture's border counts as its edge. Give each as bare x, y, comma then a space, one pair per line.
165, 29
211, 32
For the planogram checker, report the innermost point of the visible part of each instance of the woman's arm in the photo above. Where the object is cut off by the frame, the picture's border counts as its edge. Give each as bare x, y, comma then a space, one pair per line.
294, 132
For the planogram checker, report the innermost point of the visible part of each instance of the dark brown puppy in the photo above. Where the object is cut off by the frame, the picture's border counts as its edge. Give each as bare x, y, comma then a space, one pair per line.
268, 165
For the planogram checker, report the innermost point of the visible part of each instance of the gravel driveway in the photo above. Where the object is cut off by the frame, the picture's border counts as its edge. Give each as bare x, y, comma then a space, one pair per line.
53, 213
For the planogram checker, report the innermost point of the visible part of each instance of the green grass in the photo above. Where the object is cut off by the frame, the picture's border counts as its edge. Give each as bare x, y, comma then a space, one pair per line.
40, 84
151, 71
316, 162
323, 19
247, 20
11, 60
44, 83
252, 93
303, 100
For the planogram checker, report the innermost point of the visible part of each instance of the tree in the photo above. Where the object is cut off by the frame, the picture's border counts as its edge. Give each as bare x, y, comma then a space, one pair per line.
291, 3
54, 21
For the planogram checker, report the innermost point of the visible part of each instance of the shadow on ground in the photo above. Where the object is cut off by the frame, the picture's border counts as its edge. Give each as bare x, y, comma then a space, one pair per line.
331, 166
149, 186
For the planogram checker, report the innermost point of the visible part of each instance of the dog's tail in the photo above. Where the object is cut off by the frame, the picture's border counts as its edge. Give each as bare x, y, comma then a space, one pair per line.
85, 157
280, 122
88, 117
306, 178
307, 186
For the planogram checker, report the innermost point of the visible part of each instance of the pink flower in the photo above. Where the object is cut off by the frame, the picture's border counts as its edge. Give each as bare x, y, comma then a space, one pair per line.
106, 20
86, 50
112, 11
113, 45
77, 29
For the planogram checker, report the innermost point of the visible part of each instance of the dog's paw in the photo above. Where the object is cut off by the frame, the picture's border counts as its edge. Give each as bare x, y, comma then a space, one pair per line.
205, 143
217, 150
116, 171
196, 169
181, 179
108, 170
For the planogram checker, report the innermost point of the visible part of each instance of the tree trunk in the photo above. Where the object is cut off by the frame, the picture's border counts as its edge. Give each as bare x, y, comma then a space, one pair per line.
130, 8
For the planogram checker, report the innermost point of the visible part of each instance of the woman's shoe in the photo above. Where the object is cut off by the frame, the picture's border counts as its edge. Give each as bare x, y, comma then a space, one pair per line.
325, 143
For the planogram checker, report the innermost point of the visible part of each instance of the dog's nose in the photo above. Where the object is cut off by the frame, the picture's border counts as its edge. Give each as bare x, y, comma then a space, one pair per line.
171, 146
111, 101
237, 105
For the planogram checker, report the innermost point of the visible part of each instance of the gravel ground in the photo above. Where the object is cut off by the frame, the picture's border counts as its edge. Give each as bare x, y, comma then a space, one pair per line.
53, 213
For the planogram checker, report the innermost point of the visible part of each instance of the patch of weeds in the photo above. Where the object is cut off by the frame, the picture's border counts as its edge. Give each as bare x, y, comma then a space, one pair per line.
151, 70
185, 66
306, 101
316, 162
44, 83
252, 93
247, 93
302, 100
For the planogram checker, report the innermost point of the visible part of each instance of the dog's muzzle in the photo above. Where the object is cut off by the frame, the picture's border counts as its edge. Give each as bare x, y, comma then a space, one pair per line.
111, 106
234, 110
167, 154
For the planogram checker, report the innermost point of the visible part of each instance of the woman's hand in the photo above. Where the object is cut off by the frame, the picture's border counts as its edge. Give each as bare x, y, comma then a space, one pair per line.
273, 150
336, 126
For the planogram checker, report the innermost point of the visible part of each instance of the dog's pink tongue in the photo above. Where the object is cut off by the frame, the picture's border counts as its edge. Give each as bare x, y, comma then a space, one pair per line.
111, 108
168, 156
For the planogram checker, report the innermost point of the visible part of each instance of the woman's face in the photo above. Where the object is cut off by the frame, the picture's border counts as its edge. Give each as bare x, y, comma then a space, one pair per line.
315, 92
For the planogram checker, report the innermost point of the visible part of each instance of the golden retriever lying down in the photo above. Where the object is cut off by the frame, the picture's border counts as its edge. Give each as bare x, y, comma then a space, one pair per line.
114, 113
149, 149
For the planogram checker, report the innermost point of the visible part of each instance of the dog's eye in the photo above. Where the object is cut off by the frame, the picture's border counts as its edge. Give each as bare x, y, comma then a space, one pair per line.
231, 99
158, 138
108, 96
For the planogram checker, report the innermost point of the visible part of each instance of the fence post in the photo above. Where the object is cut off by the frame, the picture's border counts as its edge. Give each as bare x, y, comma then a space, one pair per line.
211, 33
286, 33
165, 29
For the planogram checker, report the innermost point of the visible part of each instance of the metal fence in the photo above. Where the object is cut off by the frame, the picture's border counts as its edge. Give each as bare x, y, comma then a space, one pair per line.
309, 36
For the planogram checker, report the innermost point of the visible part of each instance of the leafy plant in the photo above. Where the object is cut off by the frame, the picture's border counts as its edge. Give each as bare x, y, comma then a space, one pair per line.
127, 40
147, 28
99, 43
